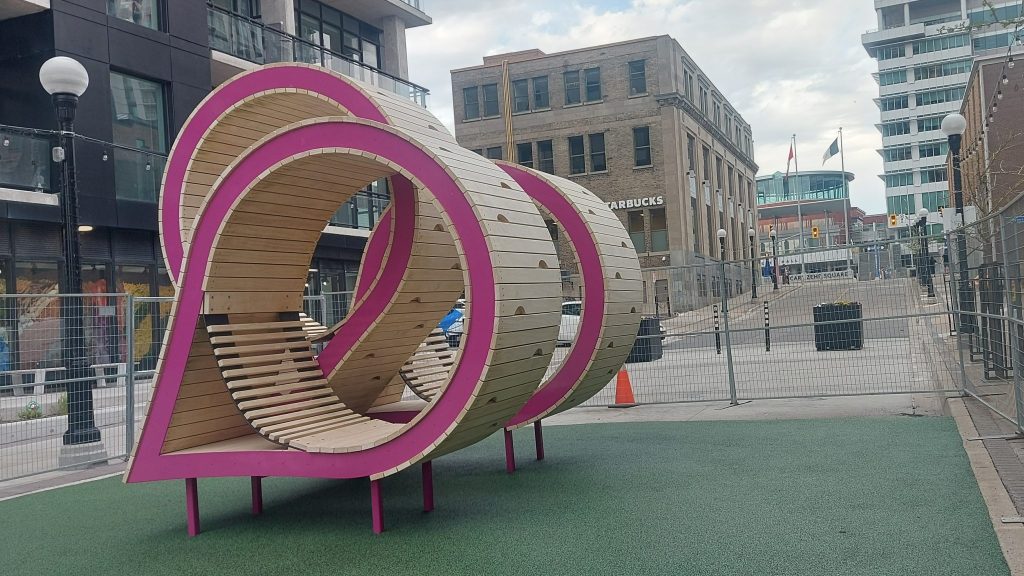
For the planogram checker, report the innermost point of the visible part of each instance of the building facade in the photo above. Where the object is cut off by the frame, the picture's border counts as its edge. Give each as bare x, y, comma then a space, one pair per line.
925, 50
642, 126
818, 199
150, 62
991, 152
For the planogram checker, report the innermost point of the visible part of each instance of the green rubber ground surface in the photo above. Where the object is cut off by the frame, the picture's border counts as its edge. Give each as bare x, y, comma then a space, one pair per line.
816, 498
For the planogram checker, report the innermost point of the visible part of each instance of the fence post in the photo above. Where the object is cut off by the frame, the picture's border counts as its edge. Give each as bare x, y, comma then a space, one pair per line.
129, 377
728, 340
767, 331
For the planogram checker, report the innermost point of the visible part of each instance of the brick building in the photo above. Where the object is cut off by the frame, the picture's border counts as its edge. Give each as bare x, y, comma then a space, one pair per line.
640, 125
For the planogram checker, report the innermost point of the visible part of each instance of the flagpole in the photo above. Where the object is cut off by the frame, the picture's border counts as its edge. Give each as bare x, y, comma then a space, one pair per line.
799, 207
846, 199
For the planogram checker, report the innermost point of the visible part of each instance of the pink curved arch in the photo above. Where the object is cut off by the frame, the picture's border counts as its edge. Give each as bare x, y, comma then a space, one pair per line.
575, 365
150, 465
226, 97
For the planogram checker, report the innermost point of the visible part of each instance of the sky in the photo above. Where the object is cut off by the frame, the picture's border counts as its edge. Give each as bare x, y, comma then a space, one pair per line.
787, 66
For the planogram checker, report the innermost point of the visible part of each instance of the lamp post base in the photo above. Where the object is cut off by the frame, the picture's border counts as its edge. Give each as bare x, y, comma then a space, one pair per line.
81, 456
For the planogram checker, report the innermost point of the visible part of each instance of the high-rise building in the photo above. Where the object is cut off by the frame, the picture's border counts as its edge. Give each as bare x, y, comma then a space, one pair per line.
925, 50
644, 128
150, 62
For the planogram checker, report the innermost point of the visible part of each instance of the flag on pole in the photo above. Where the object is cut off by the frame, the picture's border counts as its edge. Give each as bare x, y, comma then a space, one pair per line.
790, 159
832, 151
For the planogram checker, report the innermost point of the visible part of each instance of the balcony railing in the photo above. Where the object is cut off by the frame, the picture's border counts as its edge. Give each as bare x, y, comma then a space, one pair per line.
254, 41
25, 161
414, 3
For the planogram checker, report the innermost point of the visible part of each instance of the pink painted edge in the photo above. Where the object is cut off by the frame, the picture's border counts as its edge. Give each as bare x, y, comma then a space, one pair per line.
318, 81
149, 464
588, 336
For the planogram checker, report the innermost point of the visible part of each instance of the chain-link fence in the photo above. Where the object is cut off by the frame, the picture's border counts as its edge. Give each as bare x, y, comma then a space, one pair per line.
860, 323
67, 402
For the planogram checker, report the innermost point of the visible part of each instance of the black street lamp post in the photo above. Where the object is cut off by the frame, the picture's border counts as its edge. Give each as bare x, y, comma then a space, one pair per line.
66, 80
775, 255
954, 126
754, 260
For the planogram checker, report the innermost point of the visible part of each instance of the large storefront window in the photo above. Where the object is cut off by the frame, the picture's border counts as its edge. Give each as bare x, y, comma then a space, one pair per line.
140, 126
142, 12
38, 328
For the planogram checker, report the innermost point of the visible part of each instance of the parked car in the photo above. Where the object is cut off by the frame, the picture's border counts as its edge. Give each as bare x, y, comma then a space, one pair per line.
570, 322
453, 323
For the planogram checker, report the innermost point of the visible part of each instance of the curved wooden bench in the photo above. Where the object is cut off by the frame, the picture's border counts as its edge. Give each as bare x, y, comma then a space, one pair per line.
313, 329
275, 382
426, 373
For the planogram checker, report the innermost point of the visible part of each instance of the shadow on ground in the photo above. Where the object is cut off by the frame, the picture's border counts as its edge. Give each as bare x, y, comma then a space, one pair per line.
852, 496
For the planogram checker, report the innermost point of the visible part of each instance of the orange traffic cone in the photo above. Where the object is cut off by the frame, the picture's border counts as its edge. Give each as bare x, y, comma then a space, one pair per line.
623, 391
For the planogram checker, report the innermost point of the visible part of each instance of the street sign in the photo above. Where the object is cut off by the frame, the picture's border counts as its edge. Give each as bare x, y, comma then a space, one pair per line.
1018, 219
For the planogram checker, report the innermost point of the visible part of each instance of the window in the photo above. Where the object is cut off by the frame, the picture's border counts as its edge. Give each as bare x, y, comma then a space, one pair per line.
894, 103
899, 179
471, 102
890, 52
718, 114
592, 77
892, 77
521, 96
597, 157
935, 200
943, 69
659, 230
996, 41
337, 32
479, 151
940, 43
703, 100
636, 230
929, 124
540, 93
932, 149
524, 154
897, 154
901, 204
545, 157
688, 84
990, 15
247, 8
572, 87
494, 153
691, 155
490, 100
577, 155
140, 122
637, 78
142, 12
895, 128
642, 146
940, 96
706, 174
933, 175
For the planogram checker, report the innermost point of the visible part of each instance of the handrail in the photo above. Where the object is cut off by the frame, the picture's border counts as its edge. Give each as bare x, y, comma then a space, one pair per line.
256, 42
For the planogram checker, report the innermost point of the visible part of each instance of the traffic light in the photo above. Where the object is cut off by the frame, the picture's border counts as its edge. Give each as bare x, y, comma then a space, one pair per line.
814, 232
892, 220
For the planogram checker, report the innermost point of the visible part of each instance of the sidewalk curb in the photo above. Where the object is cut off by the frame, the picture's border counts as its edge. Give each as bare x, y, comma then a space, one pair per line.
997, 500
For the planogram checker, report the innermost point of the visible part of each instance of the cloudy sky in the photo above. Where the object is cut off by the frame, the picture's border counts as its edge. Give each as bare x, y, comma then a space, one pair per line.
788, 66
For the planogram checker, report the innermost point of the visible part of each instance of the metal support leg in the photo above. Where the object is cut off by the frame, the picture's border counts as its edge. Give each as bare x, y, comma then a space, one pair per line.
376, 507
428, 485
538, 437
510, 453
257, 495
192, 505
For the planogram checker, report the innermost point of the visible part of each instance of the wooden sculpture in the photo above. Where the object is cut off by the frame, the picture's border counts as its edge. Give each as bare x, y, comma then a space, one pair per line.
251, 181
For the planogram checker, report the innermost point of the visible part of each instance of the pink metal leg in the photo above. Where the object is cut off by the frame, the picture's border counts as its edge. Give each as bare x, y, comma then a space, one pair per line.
257, 495
376, 507
538, 436
192, 505
510, 453
428, 486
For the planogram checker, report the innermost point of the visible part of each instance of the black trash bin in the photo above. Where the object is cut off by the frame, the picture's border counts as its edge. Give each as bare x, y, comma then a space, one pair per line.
647, 346
838, 326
